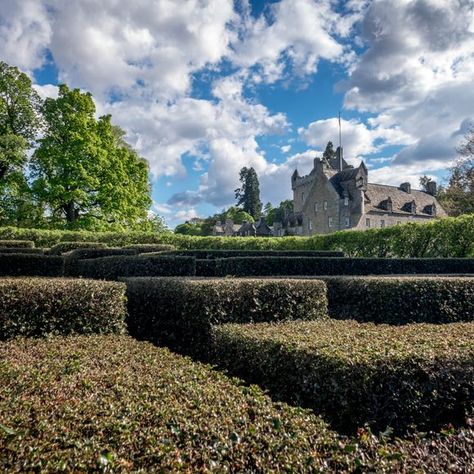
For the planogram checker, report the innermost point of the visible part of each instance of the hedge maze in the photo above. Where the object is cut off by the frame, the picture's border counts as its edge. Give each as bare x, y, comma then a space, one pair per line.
344, 364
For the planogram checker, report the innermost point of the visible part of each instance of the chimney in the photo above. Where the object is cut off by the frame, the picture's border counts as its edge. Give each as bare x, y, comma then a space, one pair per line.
431, 188
405, 187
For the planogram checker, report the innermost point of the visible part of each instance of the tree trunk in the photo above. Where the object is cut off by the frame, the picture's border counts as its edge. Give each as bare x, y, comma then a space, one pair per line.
71, 212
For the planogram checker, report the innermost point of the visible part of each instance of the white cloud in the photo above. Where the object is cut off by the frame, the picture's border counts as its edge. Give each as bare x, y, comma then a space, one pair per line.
285, 148
185, 214
47, 90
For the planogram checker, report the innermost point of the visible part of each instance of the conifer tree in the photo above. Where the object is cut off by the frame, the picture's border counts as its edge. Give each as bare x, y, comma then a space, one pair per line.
248, 195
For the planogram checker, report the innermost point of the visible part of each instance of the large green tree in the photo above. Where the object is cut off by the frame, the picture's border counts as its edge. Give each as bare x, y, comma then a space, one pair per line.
20, 122
248, 195
84, 172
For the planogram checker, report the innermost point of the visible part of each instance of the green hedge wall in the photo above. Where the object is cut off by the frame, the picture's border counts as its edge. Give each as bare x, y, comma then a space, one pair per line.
33, 307
117, 266
396, 300
64, 247
26, 244
112, 404
179, 313
415, 376
214, 254
23, 250
150, 248
16, 264
450, 237
272, 266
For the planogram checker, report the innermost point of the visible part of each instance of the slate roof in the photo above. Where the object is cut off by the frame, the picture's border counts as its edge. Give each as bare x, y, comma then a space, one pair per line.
377, 194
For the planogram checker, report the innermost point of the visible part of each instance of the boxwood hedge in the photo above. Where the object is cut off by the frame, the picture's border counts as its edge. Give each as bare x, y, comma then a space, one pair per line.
401, 300
228, 253
149, 248
17, 243
22, 264
180, 312
117, 266
64, 247
112, 404
21, 250
414, 376
40, 306
262, 266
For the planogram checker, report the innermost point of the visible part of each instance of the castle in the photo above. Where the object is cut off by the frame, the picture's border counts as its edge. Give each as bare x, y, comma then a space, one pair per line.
336, 196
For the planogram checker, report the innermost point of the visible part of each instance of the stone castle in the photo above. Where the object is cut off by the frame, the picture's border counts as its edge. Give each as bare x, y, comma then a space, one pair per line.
336, 196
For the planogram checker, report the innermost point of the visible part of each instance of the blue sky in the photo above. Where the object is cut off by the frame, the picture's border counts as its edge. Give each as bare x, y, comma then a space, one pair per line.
203, 88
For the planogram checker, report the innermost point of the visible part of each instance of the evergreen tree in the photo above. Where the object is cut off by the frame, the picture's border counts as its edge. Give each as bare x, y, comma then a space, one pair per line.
329, 152
248, 195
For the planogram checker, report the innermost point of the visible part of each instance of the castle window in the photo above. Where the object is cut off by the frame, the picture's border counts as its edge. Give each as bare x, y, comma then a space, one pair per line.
302, 196
348, 222
310, 224
330, 222
325, 205
346, 201
382, 223
367, 222
315, 207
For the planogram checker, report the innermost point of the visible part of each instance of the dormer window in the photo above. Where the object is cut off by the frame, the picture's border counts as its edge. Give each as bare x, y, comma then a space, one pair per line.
410, 207
431, 209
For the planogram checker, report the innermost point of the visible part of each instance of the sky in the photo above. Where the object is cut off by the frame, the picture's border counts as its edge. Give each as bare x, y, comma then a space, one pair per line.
204, 88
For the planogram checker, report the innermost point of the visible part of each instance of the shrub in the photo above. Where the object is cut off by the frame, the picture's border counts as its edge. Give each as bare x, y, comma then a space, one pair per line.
111, 268
112, 404
16, 264
39, 306
396, 300
64, 247
149, 248
72, 258
270, 266
23, 250
206, 267
417, 375
24, 244
179, 313
219, 253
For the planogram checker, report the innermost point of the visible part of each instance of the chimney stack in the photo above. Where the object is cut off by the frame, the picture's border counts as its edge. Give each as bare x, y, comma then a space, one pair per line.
431, 188
405, 187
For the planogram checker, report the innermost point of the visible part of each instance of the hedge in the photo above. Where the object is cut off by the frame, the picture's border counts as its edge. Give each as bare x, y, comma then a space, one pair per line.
16, 264
415, 376
214, 254
149, 248
25, 244
24, 250
112, 404
72, 258
64, 247
401, 300
36, 307
179, 312
448, 237
272, 266
117, 266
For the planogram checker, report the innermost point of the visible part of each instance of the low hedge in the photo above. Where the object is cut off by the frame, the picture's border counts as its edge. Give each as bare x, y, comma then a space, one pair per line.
180, 313
25, 244
401, 300
22, 264
24, 250
64, 247
35, 307
415, 376
113, 404
223, 253
148, 248
72, 258
272, 266
117, 266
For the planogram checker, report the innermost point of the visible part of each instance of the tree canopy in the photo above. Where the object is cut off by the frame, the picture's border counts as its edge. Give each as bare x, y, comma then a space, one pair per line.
248, 195
329, 152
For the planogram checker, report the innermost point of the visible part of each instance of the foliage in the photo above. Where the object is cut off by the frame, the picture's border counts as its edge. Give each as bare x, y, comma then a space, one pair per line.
17, 243
64, 247
148, 248
221, 253
278, 213
329, 152
402, 300
450, 237
180, 312
413, 376
248, 195
25, 264
37, 306
117, 266
271, 266
83, 172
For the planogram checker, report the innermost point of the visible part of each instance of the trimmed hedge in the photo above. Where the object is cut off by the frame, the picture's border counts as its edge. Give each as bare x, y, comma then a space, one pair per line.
64, 247
415, 376
24, 244
112, 404
36, 307
149, 248
220, 253
117, 266
72, 258
16, 264
272, 266
401, 300
180, 313
24, 250
448, 237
